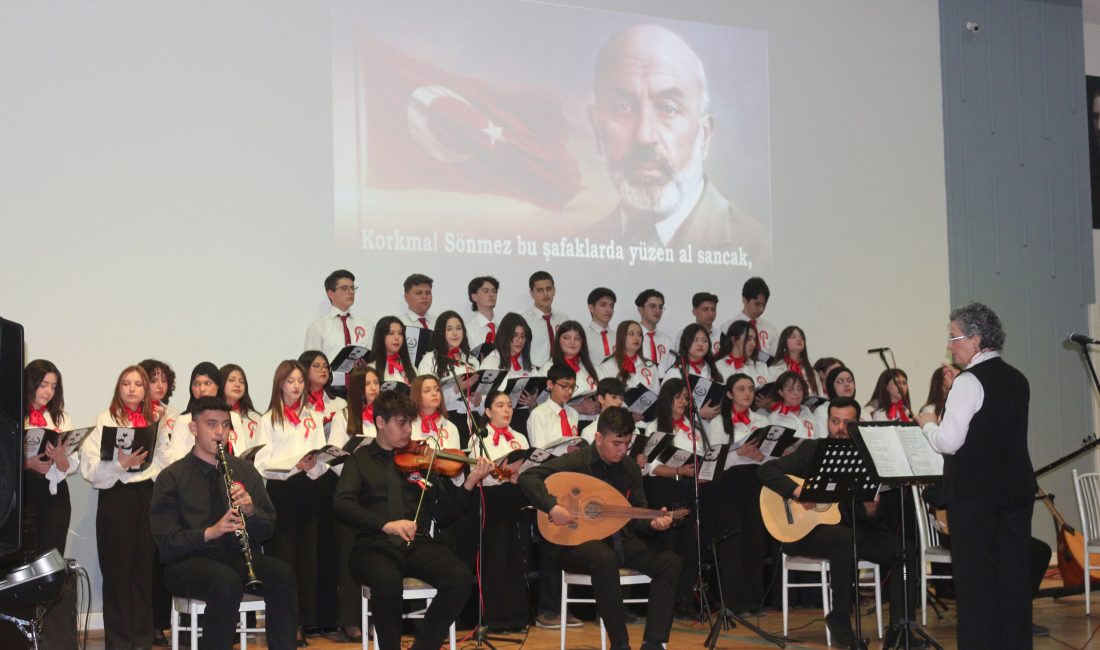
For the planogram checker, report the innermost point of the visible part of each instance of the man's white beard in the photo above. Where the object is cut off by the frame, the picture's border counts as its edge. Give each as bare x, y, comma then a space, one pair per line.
662, 200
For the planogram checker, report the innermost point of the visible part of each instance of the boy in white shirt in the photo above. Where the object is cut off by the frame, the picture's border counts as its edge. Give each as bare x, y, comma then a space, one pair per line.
554, 418
542, 318
601, 341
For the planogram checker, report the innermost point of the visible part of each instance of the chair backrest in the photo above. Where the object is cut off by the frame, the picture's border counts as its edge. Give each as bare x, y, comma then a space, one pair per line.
1087, 488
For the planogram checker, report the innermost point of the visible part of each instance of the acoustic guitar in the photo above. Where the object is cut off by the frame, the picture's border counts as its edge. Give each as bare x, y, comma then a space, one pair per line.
598, 509
788, 521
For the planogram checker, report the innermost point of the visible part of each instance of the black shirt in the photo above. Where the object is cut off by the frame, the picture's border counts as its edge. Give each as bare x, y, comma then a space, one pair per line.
372, 492
624, 476
189, 496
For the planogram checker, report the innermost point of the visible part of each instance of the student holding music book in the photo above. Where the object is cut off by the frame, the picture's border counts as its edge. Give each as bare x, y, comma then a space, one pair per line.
833, 542
602, 558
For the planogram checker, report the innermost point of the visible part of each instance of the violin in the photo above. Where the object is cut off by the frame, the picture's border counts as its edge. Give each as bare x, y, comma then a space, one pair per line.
444, 462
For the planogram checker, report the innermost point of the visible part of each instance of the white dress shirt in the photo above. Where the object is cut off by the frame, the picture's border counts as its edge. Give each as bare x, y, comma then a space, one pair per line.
683, 440
327, 333
645, 373
183, 440
544, 424
410, 317
103, 474
540, 341
754, 369
803, 423
452, 396
53, 474
286, 444
495, 451
477, 328
716, 430
662, 342
447, 436
593, 334
963, 400
245, 438
766, 334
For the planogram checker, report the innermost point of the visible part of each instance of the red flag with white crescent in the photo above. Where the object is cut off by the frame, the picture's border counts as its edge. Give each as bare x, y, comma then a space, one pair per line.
429, 128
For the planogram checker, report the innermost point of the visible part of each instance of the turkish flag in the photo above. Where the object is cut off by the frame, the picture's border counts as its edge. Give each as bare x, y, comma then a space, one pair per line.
429, 128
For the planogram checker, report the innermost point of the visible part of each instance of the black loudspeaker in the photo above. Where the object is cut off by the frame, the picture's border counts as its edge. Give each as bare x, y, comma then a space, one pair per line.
11, 435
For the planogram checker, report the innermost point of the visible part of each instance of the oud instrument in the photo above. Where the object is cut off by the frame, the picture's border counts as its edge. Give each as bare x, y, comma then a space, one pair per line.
598, 509
252, 583
788, 521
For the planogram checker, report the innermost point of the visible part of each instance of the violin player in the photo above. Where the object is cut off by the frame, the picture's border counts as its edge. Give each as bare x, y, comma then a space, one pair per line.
383, 506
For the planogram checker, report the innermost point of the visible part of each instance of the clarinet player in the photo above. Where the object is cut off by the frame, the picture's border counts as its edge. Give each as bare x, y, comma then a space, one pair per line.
195, 529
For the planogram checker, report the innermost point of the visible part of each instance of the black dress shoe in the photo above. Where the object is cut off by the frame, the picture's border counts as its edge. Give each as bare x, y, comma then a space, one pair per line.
841, 627
1039, 630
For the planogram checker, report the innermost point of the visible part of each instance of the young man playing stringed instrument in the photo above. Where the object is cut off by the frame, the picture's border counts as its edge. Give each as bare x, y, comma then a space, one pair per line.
834, 542
602, 558
391, 513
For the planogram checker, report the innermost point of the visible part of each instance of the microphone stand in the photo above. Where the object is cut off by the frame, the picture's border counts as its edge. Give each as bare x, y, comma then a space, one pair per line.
1088, 360
696, 425
481, 635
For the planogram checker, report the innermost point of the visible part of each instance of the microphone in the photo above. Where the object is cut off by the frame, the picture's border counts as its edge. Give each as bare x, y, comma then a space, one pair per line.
877, 350
1081, 339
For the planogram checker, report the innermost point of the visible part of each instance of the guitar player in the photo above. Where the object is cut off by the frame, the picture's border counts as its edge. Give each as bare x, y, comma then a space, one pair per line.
627, 548
834, 542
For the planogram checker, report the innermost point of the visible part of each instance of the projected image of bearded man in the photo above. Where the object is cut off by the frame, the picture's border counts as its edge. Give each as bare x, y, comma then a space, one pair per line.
652, 126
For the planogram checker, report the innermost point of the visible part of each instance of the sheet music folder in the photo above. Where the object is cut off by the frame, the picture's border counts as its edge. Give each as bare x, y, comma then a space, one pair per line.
898, 454
838, 469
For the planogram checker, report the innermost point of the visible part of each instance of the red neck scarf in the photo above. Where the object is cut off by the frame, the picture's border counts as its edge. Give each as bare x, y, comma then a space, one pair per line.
236, 407
696, 366
786, 410
793, 365
897, 411
137, 418
368, 414
737, 362
501, 433
741, 417
429, 423
393, 365
680, 425
515, 363
574, 363
630, 364
37, 418
290, 412
454, 352
317, 400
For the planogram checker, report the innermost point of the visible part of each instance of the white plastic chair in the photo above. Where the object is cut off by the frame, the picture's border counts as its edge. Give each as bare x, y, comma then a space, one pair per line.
932, 551
411, 589
817, 565
195, 608
1087, 488
626, 577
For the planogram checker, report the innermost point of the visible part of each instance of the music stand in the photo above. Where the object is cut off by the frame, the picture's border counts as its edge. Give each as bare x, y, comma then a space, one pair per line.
839, 473
898, 454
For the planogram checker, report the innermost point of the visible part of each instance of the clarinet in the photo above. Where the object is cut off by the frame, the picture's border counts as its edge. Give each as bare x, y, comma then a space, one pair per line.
253, 583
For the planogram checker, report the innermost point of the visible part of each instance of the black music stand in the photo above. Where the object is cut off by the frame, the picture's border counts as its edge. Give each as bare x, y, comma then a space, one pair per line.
841, 474
912, 461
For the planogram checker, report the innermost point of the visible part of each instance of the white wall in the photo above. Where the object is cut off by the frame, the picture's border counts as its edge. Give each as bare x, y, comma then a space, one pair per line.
168, 188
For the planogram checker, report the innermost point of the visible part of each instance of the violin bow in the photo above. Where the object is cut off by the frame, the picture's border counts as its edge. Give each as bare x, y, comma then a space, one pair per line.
427, 484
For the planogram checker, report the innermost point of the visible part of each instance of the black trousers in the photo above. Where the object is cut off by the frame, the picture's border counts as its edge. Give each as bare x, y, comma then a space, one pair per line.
834, 543
46, 516
125, 548
326, 609
680, 539
599, 560
382, 565
503, 564
221, 585
990, 553
294, 540
740, 539
350, 605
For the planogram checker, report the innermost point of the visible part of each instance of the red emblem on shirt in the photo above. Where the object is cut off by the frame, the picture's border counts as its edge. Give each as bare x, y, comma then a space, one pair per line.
809, 428
251, 430
360, 332
648, 374
514, 444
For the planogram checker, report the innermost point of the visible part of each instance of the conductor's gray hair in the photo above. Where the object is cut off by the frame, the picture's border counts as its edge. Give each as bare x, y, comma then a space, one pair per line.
978, 320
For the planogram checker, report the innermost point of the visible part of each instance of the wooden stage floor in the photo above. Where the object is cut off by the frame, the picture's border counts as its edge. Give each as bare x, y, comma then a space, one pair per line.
1069, 628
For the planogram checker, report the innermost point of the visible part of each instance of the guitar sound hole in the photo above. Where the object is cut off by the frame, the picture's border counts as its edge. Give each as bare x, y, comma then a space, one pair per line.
576, 492
593, 509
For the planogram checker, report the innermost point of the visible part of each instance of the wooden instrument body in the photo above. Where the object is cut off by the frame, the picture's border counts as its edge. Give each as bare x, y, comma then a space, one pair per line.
598, 509
788, 521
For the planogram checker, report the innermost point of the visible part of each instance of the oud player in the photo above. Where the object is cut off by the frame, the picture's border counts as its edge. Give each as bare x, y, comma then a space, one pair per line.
627, 548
